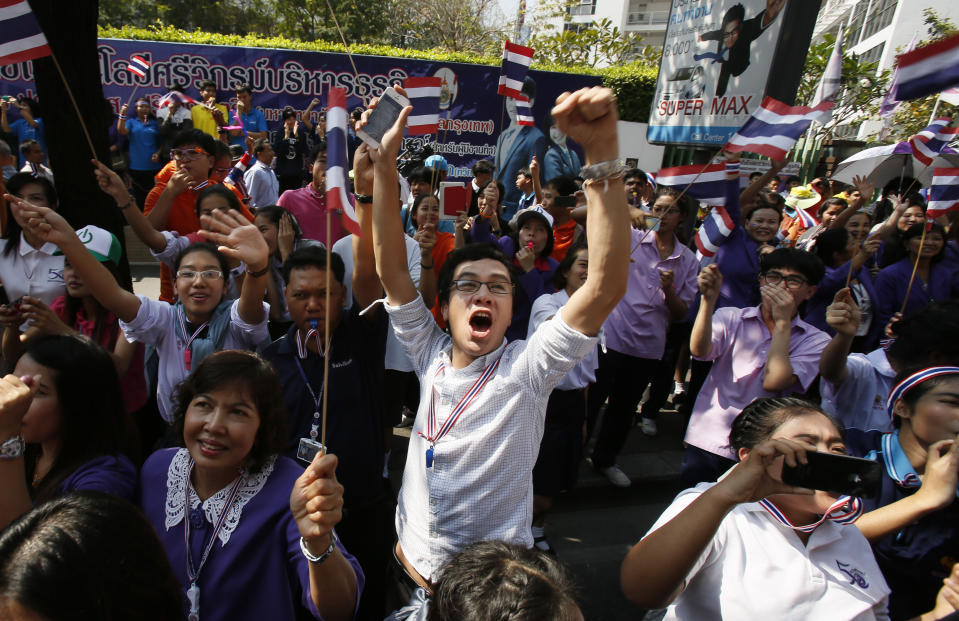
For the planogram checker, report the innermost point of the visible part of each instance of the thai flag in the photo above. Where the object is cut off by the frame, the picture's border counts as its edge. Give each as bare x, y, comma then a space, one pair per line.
929, 69
524, 116
774, 128
831, 80
172, 96
20, 36
890, 103
336, 156
716, 227
424, 96
516, 61
138, 66
930, 142
943, 193
707, 184
807, 219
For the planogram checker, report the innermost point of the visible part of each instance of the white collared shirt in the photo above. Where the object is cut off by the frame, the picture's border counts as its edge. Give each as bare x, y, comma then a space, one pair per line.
860, 401
261, 184
32, 271
546, 306
481, 484
757, 568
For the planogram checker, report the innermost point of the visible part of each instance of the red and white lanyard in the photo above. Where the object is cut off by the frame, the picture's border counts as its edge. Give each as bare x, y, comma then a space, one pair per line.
432, 435
846, 510
188, 353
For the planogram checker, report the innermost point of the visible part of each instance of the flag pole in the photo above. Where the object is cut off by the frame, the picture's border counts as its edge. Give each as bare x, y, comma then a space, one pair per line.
349, 54
76, 108
130, 100
915, 267
326, 326
935, 109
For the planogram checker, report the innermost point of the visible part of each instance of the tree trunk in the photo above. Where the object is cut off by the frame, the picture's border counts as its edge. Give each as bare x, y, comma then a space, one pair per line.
71, 30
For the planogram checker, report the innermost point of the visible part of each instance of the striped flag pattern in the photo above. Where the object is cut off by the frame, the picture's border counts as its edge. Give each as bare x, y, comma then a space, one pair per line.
516, 61
929, 69
708, 184
715, 229
774, 128
336, 156
20, 36
930, 142
831, 80
138, 66
424, 96
943, 193
890, 103
524, 116
172, 96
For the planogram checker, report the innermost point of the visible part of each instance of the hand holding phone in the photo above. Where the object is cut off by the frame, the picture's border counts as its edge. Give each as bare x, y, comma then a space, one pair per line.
382, 118
839, 474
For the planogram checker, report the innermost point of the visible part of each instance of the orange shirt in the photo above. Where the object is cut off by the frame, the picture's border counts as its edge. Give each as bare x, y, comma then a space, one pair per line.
182, 218
563, 237
445, 243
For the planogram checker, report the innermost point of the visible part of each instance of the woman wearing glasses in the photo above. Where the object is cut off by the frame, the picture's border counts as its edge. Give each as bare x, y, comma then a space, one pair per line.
202, 321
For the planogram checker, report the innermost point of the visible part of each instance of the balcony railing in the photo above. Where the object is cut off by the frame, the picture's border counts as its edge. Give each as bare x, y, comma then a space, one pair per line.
647, 18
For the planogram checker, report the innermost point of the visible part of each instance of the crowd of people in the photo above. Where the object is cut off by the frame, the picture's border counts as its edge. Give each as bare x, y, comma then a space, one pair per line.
508, 338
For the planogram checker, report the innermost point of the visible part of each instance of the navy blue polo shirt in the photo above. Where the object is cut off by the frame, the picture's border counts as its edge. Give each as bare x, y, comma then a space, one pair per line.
354, 426
915, 559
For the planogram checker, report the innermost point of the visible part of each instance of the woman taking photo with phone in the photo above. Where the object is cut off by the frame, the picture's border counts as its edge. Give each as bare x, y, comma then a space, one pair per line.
752, 547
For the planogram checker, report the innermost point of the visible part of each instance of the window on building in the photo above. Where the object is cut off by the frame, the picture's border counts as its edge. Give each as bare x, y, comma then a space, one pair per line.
583, 7
879, 17
637, 13
855, 24
577, 27
873, 55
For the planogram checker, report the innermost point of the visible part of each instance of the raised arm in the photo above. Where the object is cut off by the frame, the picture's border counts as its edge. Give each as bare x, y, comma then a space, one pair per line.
753, 189
15, 398
389, 247
122, 121
710, 280
843, 316
366, 284
537, 186
111, 184
589, 117
51, 227
239, 239
778, 373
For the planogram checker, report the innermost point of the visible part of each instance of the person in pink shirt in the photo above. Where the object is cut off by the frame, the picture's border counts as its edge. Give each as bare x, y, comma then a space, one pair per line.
308, 204
662, 285
759, 351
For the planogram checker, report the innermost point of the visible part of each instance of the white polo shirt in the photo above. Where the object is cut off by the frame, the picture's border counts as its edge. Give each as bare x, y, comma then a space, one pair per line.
32, 271
757, 568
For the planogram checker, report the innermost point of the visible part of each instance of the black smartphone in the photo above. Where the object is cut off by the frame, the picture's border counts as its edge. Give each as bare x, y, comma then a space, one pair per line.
564, 201
840, 474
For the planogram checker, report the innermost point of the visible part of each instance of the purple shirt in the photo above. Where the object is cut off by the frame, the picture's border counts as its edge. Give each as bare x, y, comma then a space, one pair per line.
832, 282
110, 474
893, 281
738, 262
740, 346
638, 324
260, 572
309, 208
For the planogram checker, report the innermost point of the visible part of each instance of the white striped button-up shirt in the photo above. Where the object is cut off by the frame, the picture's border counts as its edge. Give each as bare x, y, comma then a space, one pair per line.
480, 486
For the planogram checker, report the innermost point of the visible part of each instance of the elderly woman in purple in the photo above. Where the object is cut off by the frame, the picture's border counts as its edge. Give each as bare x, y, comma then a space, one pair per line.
933, 282
62, 425
249, 533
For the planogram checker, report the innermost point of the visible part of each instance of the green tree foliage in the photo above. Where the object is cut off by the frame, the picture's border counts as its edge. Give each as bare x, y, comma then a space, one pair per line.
861, 91
913, 116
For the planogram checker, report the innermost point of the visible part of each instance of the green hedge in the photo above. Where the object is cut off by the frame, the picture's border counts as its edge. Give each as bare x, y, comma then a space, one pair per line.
633, 83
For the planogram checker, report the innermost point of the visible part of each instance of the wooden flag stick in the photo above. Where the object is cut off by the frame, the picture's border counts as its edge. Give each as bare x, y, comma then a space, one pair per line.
76, 108
326, 327
915, 267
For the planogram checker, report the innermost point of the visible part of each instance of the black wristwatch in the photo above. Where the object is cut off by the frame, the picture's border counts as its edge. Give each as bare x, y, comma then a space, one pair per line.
364, 198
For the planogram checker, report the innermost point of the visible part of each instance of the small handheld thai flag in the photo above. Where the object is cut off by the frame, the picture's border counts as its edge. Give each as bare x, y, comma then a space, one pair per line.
716, 227
138, 66
524, 116
173, 96
943, 193
424, 96
807, 219
707, 184
336, 156
774, 128
930, 142
516, 61
20, 36
929, 69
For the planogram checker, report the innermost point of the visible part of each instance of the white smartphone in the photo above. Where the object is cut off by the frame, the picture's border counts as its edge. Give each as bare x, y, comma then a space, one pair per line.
382, 118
